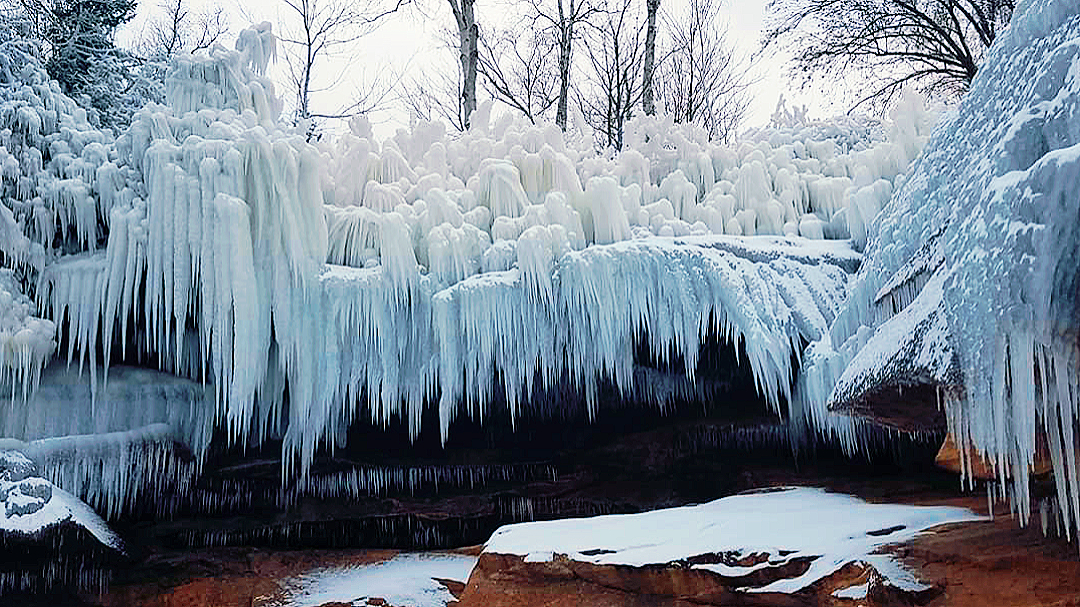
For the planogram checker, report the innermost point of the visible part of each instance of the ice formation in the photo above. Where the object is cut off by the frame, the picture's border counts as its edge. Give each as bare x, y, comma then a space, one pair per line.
828, 530
26, 341
311, 286
970, 279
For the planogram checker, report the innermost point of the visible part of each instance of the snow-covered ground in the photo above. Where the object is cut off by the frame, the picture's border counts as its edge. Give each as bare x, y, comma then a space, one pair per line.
830, 529
406, 579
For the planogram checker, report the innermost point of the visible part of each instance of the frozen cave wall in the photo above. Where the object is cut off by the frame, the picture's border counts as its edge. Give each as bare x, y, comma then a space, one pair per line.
970, 281
215, 244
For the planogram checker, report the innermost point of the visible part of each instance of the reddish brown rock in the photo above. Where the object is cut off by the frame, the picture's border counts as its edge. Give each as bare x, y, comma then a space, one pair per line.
501, 580
948, 458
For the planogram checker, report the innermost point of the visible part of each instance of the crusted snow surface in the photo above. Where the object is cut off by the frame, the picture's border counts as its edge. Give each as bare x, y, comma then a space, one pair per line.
829, 529
405, 579
997, 185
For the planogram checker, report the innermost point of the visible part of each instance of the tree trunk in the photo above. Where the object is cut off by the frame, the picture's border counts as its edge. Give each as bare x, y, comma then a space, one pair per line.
469, 36
564, 73
653, 7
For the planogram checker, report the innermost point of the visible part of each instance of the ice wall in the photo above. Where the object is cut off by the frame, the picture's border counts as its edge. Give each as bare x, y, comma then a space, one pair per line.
313, 284
974, 260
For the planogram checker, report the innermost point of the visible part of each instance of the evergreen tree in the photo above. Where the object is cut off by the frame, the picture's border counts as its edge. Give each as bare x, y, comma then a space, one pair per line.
80, 53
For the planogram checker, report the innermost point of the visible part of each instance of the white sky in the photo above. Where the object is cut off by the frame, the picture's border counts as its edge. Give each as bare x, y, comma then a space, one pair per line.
408, 43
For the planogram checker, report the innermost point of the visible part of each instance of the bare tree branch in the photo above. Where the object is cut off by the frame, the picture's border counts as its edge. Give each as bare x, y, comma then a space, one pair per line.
936, 43
320, 29
516, 70
562, 21
616, 57
702, 81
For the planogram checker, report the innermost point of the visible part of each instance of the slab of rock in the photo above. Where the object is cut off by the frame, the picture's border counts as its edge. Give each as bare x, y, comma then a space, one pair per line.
784, 547
501, 580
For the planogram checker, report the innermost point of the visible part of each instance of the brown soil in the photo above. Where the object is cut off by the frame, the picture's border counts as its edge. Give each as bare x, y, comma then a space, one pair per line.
225, 577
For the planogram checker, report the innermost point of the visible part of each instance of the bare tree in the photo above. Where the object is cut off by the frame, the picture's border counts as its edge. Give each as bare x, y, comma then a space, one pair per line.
937, 43
435, 95
564, 21
180, 29
326, 28
177, 29
701, 80
614, 84
648, 103
516, 71
469, 53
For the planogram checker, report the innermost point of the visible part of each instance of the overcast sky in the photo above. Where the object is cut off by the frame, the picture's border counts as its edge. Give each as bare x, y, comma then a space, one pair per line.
409, 43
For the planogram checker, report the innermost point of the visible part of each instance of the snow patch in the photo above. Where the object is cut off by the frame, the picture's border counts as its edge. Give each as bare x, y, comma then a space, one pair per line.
406, 579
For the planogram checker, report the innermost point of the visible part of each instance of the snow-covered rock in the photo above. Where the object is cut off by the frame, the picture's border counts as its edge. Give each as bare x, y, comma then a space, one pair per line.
53, 536
776, 541
970, 281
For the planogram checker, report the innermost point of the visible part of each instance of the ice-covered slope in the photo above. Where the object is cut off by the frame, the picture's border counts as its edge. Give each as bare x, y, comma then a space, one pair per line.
976, 256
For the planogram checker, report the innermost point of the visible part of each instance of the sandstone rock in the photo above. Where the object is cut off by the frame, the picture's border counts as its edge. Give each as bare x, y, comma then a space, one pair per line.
501, 580
948, 457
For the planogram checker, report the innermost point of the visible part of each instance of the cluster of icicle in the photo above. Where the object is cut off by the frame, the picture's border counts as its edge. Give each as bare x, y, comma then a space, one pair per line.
312, 285
970, 280
26, 341
51, 159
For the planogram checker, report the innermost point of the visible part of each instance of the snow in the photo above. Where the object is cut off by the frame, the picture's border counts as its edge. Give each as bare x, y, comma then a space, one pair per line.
857, 592
405, 579
910, 348
829, 529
